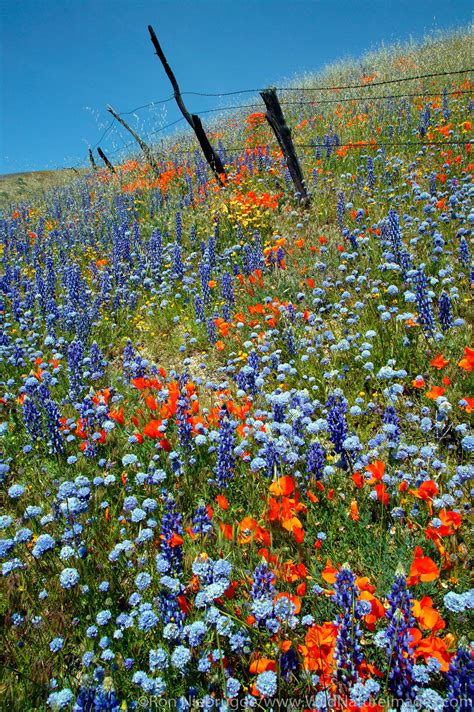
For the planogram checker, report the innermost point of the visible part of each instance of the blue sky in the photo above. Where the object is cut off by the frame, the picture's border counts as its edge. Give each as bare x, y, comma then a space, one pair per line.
63, 61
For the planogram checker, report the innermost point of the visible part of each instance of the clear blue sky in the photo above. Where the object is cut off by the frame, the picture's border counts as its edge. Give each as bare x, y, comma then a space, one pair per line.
63, 61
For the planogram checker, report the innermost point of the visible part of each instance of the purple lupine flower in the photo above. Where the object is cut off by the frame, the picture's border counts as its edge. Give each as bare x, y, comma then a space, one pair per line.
315, 460
290, 342
211, 246
399, 652
289, 663
74, 364
179, 228
464, 253
41, 289
391, 419
53, 425
248, 259
317, 152
178, 267
445, 311
348, 652
32, 419
272, 460
424, 120
202, 524
370, 173
183, 412
225, 466
278, 408
258, 255
227, 291
280, 258
446, 111
327, 143
211, 330
394, 233
97, 361
336, 418
425, 308
205, 276
170, 562
133, 364
340, 209
199, 309
262, 583
460, 681
155, 249
262, 596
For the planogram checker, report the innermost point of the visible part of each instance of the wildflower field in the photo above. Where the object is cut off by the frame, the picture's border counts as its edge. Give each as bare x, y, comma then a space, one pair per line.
236, 452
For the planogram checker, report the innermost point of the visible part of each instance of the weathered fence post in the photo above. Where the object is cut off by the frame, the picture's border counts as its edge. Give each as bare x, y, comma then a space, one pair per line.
276, 119
92, 161
194, 121
145, 148
106, 160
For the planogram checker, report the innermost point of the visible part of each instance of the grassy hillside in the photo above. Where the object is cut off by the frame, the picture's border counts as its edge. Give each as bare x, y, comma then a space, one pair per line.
18, 187
236, 430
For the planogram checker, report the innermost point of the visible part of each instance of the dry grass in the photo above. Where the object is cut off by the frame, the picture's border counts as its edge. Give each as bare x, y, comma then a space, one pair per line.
16, 187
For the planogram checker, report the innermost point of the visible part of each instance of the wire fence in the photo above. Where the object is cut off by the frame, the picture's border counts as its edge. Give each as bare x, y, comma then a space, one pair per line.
316, 102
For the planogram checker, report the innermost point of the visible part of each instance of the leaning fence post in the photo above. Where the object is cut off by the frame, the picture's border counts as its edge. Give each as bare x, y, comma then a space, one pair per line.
276, 119
92, 161
145, 148
194, 121
106, 160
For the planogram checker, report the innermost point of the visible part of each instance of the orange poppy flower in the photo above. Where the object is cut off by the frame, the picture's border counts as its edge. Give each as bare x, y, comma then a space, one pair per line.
426, 615
175, 540
426, 490
435, 392
451, 521
117, 415
318, 651
467, 363
433, 647
377, 469
261, 665
358, 480
226, 530
153, 429
354, 511
422, 568
382, 494
283, 487
329, 572
439, 362
222, 501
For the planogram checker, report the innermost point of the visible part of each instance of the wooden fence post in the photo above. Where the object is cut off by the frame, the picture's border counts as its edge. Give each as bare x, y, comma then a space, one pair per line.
194, 121
276, 119
91, 159
145, 148
106, 160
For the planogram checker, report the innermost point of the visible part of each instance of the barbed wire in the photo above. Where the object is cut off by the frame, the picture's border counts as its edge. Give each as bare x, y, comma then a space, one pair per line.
303, 89
315, 102
337, 88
